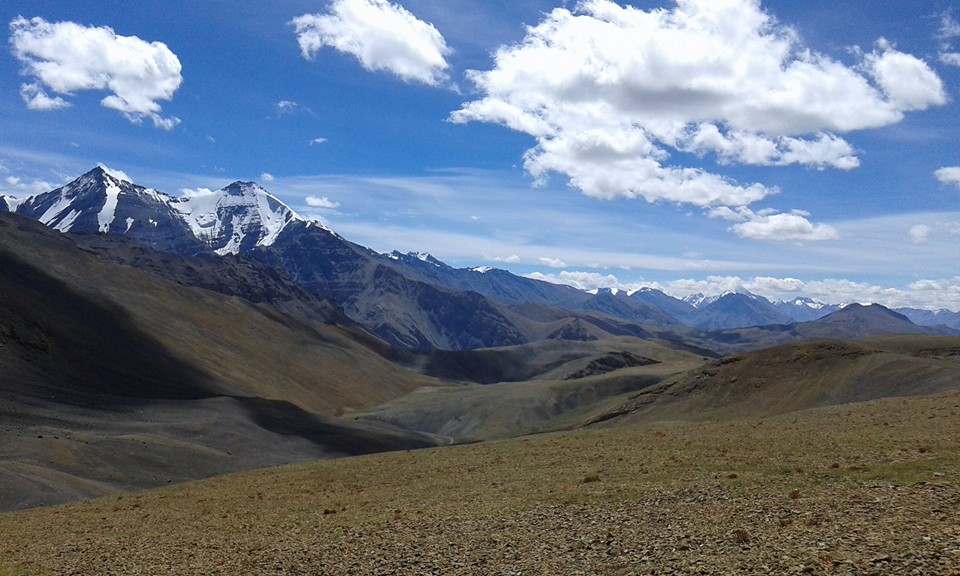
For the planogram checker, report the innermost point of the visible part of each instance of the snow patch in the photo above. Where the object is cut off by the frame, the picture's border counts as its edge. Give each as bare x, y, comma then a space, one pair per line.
130, 222
108, 213
67, 223
54, 210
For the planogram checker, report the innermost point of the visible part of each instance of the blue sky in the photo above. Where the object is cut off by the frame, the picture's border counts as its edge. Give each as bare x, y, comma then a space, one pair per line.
791, 148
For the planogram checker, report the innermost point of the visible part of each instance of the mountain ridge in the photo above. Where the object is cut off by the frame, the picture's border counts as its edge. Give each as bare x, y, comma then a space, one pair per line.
408, 299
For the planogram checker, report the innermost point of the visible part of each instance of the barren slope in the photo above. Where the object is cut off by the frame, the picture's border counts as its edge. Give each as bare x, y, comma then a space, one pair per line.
539, 386
799, 376
113, 379
870, 488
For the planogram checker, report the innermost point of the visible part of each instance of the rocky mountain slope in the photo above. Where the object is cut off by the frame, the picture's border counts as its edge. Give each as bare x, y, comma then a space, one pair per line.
115, 379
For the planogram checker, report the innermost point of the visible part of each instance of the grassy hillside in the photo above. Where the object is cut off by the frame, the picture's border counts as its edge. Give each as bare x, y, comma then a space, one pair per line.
798, 376
870, 488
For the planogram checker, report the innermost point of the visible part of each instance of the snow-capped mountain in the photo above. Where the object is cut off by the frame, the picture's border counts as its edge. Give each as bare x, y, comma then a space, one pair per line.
738, 310
920, 317
700, 299
409, 299
804, 309
236, 218
103, 201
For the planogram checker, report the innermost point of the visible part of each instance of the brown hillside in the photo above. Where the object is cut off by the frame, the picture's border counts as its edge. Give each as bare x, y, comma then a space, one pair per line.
114, 379
799, 376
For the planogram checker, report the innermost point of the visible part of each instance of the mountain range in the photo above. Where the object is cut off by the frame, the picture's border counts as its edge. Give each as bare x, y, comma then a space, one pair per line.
411, 300
146, 339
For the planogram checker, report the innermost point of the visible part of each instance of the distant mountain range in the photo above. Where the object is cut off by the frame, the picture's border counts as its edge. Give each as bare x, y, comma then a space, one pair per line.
411, 300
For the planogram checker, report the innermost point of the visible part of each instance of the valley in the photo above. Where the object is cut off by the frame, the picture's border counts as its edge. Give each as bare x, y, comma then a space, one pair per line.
263, 396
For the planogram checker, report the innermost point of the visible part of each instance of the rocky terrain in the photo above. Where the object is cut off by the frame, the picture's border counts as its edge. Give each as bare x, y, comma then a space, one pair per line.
870, 488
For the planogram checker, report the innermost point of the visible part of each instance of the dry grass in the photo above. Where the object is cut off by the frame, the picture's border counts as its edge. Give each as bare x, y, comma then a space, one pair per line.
837, 490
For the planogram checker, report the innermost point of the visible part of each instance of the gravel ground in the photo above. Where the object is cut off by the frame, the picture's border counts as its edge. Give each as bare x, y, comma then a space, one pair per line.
852, 491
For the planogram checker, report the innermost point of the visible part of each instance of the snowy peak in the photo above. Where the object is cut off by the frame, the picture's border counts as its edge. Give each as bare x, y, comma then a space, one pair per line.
98, 201
419, 258
700, 299
803, 309
237, 218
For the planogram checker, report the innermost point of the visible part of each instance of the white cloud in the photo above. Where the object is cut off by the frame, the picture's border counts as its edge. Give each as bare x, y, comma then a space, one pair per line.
195, 192
36, 98
381, 35
317, 141
920, 233
949, 175
267, 177
322, 202
286, 107
512, 259
792, 227
291, 108
608, 96
949, 29
929, 294
66, 57
908, 82
20, 185
772, 225
553, 262
118, 174
581, 280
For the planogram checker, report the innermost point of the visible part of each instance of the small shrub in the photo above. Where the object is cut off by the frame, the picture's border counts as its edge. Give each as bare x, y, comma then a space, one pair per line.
741, 536
590, 479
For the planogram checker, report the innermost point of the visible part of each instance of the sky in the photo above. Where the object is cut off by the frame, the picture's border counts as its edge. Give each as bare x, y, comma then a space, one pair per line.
787, 148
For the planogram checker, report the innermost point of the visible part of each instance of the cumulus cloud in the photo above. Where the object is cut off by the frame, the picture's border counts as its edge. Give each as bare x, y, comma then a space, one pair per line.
322, 202
66, 57
609, 98
317, 141
772, 225
267, 177
381, 35
908, 82
580, 280
949, 175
